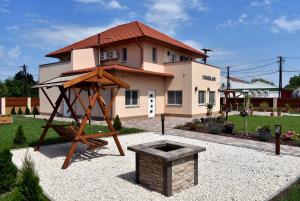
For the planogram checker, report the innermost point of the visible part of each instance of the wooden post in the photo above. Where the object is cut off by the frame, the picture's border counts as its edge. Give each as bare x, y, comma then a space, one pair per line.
57, 104
80, 131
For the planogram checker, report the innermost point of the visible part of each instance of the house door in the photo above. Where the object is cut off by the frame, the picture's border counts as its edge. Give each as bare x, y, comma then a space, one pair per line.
151, 103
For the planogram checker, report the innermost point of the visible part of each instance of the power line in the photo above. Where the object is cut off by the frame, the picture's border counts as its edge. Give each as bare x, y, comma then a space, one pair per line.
262, 66
252, 62
258, 75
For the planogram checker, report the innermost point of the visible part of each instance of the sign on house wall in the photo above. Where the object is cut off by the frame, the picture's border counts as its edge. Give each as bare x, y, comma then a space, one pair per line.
208, 77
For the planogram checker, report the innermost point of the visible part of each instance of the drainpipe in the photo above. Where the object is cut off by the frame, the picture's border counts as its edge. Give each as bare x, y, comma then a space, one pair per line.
142, 54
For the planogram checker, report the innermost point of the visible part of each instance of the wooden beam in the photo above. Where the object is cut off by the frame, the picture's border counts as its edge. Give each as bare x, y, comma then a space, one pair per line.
80, 131
80, 79
75, 98
57, 104
97, 135
110, 126
115, 80
81, 101
110, 105
43, 90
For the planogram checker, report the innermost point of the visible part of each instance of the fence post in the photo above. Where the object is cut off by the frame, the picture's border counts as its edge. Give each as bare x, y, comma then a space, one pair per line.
29, 103
3, 106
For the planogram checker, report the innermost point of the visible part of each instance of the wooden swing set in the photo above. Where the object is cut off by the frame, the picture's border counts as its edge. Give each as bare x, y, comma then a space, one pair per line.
93, 83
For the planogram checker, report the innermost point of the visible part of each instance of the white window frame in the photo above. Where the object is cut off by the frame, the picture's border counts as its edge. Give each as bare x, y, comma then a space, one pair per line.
174, 104
214, 103
204, 93
138, 98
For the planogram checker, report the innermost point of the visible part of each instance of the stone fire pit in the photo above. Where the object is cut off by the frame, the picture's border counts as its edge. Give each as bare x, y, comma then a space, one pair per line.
165, 166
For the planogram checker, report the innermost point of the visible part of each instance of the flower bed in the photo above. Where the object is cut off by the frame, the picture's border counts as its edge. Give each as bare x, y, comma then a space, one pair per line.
218, 126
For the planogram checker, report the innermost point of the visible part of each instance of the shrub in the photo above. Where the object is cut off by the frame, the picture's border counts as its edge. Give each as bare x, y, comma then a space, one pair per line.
28, 185
288, 108
264, 106
228, 127
19, 136
35, 111
13, 111
117, 123
27, 111
264, 133
8, 171
214, 128
20, 111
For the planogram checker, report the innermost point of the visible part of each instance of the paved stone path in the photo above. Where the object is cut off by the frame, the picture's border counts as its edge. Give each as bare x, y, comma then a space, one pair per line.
154, 124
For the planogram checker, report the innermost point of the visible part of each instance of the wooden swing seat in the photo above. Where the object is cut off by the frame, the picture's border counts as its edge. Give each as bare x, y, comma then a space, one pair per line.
68, 132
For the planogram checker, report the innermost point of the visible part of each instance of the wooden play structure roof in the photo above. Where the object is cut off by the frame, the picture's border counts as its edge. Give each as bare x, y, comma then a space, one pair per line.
92, 77
94, 83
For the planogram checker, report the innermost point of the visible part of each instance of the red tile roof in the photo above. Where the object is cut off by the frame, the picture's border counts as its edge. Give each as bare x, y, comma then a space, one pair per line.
119, 68
237, 80
132, 30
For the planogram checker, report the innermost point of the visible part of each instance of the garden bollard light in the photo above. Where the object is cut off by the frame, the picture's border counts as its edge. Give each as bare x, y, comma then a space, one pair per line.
162, 117
277, 139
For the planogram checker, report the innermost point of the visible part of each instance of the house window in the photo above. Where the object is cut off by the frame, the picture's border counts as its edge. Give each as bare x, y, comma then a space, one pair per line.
212, 97
154, 55
173, 57
124, 54
174, 97
183, 58
201, 97
131, 97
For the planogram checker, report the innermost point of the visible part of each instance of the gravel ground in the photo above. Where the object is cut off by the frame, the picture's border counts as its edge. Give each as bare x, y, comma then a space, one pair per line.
225, 172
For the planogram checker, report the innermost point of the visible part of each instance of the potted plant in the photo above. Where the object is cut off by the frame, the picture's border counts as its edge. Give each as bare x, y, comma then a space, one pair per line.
228, 127
209, 107
264, 133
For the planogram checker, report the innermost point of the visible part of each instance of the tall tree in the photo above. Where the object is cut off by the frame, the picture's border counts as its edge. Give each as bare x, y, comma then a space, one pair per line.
294, 82
14, 86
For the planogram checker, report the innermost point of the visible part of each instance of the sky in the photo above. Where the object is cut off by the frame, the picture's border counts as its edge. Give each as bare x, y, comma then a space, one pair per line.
243, 33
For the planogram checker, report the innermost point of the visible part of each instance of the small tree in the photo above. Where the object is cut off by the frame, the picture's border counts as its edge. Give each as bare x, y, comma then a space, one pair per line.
20, 111
8, 171
117, 123
19, 136
27, 111
28, 186
35, 111
209, 107
13, 111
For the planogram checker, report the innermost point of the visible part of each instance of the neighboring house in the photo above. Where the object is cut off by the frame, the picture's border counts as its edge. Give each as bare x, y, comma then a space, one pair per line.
163, 73
256, 89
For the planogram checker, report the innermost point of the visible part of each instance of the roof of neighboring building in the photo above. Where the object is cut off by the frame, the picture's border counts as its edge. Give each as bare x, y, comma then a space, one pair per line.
132, 30
242, 84
120, 68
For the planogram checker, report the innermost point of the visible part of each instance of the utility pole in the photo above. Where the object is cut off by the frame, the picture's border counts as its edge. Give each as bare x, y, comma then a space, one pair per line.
24, 69
228, 78
281, 60
226, 93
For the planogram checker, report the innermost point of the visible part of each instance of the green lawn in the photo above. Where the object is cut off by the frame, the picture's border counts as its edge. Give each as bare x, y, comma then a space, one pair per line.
32, 129
292, 194
287, 122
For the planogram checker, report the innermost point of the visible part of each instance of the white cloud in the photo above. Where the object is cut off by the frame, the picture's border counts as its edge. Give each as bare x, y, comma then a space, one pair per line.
242, 19
64, 34
109, 4
169, 15
10, 55
193, 44
287, 25
262, 3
